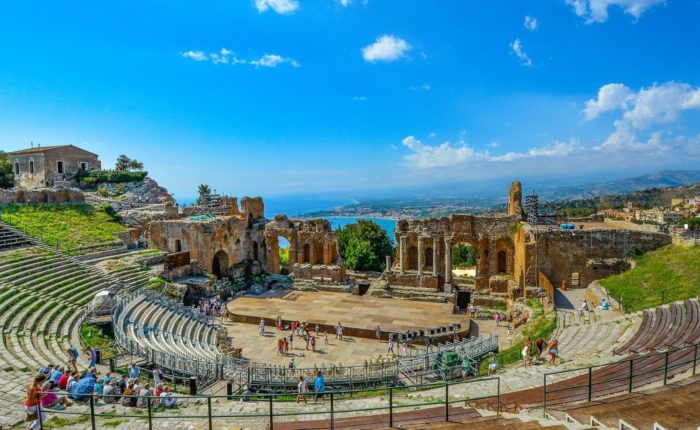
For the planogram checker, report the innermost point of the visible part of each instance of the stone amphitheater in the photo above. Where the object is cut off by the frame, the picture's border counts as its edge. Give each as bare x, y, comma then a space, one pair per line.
616, 370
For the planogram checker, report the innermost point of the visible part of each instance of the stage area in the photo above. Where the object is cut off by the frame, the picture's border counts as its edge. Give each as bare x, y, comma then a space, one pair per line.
359, 315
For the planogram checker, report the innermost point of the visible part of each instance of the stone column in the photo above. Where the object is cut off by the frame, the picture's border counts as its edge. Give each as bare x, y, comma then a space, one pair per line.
448, 264
402, 253
435, 255
420, 254
387, 269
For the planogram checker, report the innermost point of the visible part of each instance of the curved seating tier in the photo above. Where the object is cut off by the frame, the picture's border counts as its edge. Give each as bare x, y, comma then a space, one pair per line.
160, 325
671, 326
132, 276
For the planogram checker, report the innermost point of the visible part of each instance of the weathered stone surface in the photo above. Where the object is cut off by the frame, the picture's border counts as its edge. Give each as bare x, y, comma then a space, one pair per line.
47, 195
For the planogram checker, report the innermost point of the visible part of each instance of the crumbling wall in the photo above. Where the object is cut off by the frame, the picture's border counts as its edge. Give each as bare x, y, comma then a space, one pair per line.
49, 195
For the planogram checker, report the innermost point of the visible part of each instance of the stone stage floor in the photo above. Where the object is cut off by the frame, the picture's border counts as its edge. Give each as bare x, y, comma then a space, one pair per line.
359, 315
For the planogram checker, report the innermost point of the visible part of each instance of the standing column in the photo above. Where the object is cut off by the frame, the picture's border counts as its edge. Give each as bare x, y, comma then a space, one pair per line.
435, 255
402, 253
448, 264
420, 254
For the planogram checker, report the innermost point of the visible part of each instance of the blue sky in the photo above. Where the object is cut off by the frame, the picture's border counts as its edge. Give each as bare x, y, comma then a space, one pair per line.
276, 97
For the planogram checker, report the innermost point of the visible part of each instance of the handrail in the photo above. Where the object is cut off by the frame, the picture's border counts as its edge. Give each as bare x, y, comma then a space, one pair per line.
661, 294
270, 400
671, 367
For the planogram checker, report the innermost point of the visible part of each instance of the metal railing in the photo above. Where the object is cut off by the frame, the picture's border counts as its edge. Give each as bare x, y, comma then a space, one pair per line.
651, 299
623, 376
268, 409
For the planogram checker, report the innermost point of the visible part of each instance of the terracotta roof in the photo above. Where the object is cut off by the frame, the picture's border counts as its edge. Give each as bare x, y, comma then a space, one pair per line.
40, 149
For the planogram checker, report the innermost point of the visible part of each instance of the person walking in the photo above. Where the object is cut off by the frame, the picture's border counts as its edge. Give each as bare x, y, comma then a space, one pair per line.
313, 343
286, 346
92, 357
378, 333
325, 337
319, 386
158, 375
497, 317
34, 396
302, 389
261, 326
553, 351
539, 344
133, 370
390, 346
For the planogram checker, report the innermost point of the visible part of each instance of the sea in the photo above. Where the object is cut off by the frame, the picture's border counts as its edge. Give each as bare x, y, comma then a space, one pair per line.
296, 206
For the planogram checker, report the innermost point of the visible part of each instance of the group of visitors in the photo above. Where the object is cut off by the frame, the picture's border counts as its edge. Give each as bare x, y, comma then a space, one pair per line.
57, 387
210, 307
304, 331
319, 388
527, 352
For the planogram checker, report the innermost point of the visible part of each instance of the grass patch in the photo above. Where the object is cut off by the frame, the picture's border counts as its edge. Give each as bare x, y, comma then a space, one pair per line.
114, 423
71, 226
60, 422
95, 336
662, 276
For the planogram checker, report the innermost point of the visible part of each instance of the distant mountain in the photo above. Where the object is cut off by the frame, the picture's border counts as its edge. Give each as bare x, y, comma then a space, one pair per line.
662, 179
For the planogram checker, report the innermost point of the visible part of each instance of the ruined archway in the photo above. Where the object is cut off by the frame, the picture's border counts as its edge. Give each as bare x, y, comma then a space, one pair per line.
502, 262
412, 258
219, 265
306, 258
428, 258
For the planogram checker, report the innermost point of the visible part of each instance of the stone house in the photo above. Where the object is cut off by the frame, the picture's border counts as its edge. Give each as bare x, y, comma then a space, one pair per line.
43, 166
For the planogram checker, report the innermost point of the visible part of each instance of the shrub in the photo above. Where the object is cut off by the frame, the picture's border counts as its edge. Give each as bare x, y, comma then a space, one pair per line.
120, 188
104, 192
111, 176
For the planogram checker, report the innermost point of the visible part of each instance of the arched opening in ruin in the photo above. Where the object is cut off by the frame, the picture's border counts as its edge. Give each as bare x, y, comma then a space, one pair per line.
428, 258
254, 245
502, 258
219, 266
307, 253
284, 251
412, 261
465, 263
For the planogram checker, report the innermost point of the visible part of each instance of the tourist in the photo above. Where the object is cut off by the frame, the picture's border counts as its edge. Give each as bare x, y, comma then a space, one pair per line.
279, 322
74, 379
319, 386
98, 388
72, 357
339, 331
83, 388
158, 375
553, 351
302, 389
286, 346
497, 317
466, 367
539, 344
123, 383
49, 398
158, 390
317, 329
56, 375
325, 337
293, 326
492, 363
306, 338
455, 339
604, 305
292, 365
472, 311
134, 370
526, 353
127, 395
261, 326
291, 341
428, 344
167, 399
390, 346
313, 343
280, 346
92, 357
111, 392
378, 333
146, 392
31, 403
63, 381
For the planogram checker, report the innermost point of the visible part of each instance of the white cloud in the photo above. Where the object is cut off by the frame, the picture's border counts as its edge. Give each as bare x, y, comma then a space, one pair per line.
195, 55
386, 48
280, 6
274, 60
345, 3
446, 154
425, 87
531, 23
517, 47
360, 98
597, 10
226, 56
658, 104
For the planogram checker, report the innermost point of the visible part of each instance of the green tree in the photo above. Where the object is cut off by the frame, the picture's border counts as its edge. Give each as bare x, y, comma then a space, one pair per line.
359, 255
358, 239
124, 164
463, 255
284, 256
204, 194
7, 176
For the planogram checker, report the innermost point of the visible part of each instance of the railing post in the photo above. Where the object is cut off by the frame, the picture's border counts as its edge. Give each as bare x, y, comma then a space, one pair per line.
590, 383
150, 422
629, 388
92, 411
498, 396
447, 402
38, 409
666, 367
695, 358
332, 413
211, 424
271, 415
544, 396
391, 407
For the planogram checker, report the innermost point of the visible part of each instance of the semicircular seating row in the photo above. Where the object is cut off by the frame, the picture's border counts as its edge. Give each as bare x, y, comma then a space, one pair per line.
160, 327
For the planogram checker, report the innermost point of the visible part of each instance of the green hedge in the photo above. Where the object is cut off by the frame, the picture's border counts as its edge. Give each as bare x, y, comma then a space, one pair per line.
92, 177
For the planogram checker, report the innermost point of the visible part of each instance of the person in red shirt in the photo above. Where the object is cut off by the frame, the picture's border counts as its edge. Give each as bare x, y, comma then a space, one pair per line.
63, 381
313, 343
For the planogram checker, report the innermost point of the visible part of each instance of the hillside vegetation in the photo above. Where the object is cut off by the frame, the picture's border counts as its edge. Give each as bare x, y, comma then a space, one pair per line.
662, 276
72, 227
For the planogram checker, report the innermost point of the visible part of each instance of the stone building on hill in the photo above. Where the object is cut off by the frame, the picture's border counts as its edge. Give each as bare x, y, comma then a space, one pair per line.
44, 166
